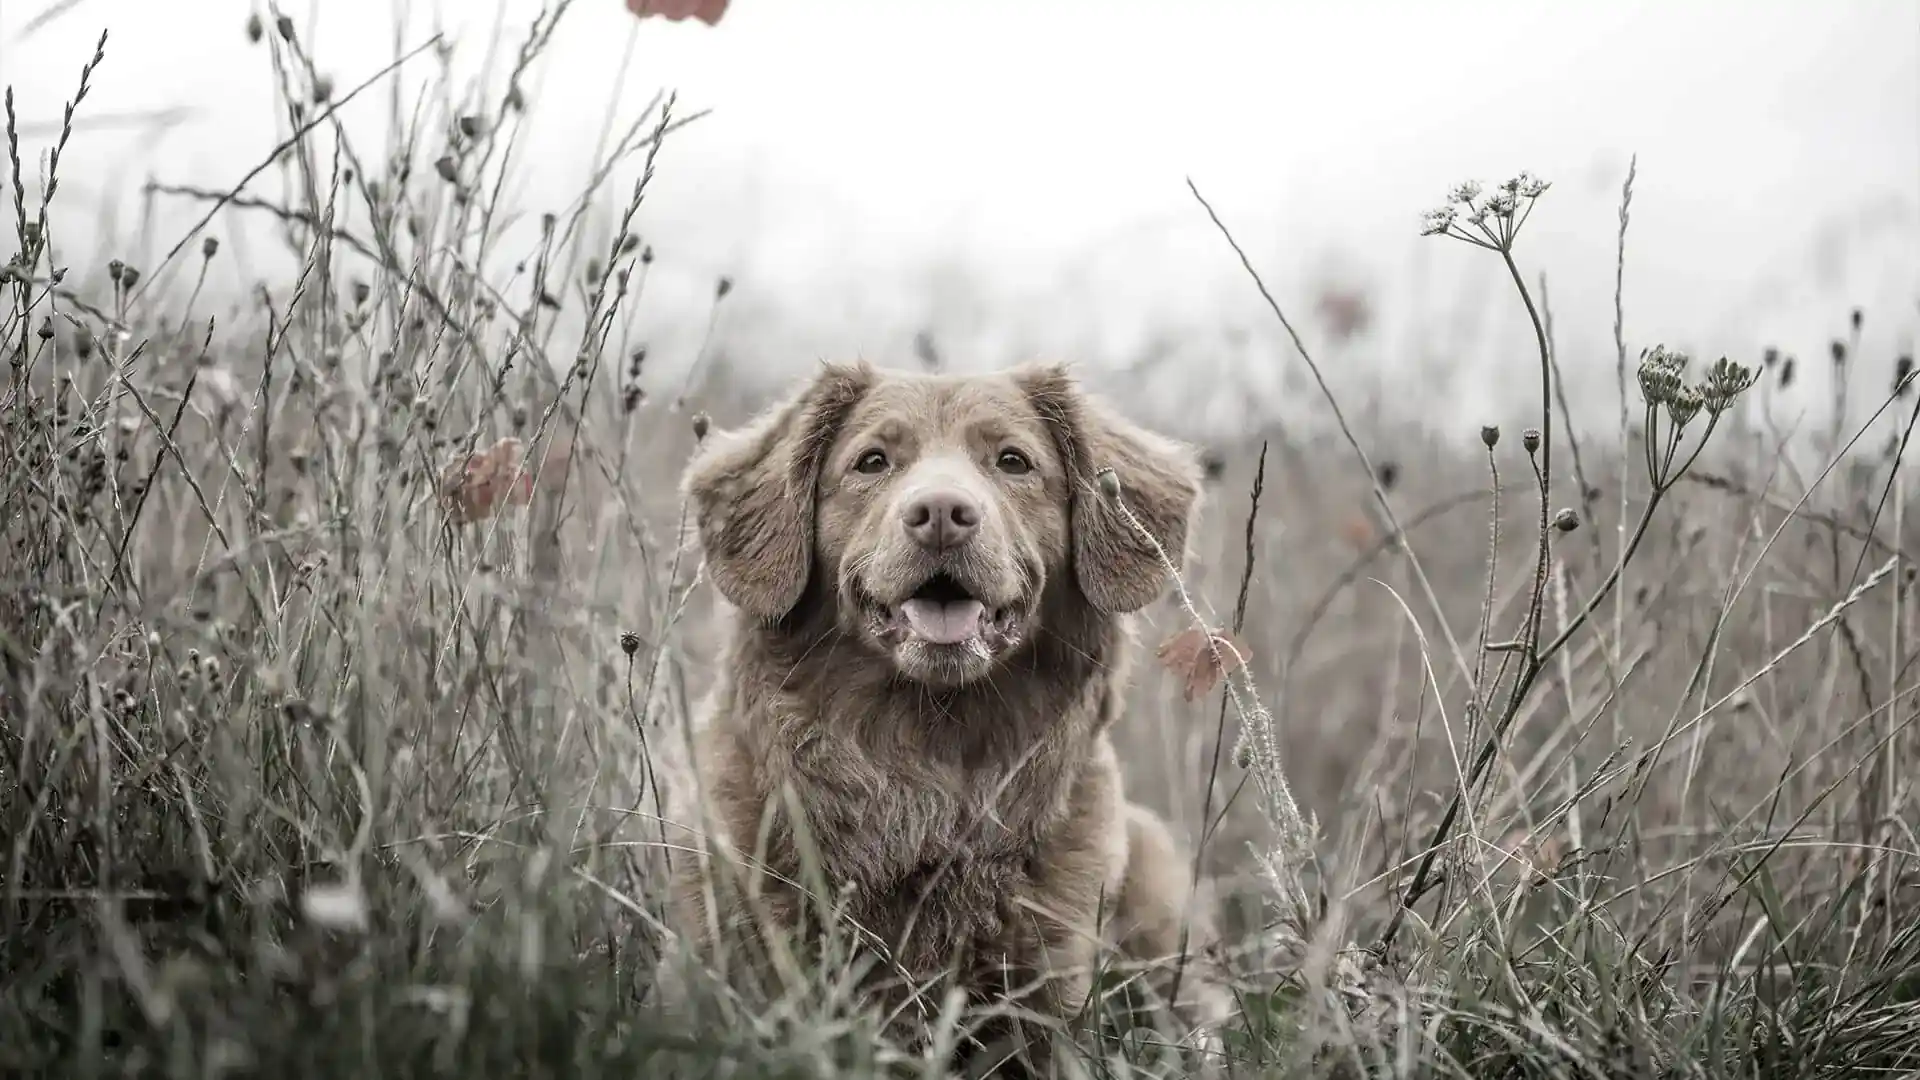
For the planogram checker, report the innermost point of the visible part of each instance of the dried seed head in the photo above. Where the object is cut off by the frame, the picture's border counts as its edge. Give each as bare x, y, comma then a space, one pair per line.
1686, 405
1770, 357
722, 287
594, 272
628, 243
1838, 349
702, 423
1566, 519
45, 333
473, 126
1109, 483
361, 293
114, 270
1530, 439
255, 29
284, 26
629, 642
1902, 371
1660, 374
209, 247
1856, 318
448, 168
1490, 435
516, 100
1786, 373
1437, 221
646, 255
1388, 474
1725, 382
322, 89
129, 277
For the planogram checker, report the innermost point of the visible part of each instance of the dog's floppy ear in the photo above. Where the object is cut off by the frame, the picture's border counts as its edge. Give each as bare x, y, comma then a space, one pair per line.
1118, 570
753, 490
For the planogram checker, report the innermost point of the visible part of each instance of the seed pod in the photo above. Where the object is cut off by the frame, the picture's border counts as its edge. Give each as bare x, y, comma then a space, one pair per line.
1490, 435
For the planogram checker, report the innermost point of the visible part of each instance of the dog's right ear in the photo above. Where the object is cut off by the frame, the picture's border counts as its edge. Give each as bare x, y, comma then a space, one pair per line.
753, 490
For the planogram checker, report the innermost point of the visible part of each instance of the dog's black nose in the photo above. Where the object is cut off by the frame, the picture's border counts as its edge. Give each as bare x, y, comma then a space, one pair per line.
941, 518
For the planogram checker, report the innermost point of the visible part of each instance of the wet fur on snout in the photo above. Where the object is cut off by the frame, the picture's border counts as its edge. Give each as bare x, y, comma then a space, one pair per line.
965, 812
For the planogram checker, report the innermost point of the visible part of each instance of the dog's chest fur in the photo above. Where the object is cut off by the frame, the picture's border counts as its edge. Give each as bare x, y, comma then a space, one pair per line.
933, 815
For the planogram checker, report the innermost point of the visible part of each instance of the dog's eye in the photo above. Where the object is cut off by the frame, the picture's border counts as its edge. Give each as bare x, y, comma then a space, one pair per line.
1014, 463
873, 461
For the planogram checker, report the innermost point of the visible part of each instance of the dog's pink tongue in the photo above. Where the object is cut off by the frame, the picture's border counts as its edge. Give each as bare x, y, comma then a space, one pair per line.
944, 623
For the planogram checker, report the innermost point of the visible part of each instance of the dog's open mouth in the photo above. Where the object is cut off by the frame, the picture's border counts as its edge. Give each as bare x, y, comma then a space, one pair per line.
943, 612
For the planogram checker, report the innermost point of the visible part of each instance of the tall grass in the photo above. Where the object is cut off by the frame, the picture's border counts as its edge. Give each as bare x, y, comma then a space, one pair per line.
348, 641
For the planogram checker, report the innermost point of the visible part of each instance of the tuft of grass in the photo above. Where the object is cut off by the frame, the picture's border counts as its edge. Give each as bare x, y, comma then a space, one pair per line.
348, 641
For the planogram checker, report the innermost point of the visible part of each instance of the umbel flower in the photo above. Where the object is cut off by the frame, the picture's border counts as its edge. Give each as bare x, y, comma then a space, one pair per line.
1664, 386
1489, 218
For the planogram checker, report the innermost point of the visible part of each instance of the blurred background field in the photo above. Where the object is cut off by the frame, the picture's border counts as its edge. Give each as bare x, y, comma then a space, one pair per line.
310, 766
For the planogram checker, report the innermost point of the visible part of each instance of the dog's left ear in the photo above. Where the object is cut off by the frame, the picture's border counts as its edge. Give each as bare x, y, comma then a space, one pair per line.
1117, 568
753, 492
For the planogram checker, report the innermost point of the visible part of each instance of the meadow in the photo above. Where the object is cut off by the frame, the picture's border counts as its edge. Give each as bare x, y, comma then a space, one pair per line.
349, 629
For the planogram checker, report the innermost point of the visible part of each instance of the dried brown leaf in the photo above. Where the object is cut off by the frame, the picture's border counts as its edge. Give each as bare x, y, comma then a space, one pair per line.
1201, 658
475, 489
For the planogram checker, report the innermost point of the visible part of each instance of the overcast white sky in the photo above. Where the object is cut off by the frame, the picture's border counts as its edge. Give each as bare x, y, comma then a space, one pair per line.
1012, 172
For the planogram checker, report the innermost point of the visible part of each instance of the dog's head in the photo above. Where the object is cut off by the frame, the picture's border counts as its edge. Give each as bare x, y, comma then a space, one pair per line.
938, 518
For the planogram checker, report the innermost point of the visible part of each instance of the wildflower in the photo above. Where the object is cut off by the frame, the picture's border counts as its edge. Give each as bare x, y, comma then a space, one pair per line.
1437, 221
1201, 657
1502, 204
1529, 186
1465, 192
1725, 381
1685, 405
472, 490
1660, 374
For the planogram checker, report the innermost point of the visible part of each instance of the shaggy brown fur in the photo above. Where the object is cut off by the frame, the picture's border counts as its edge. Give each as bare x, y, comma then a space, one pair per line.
930, 645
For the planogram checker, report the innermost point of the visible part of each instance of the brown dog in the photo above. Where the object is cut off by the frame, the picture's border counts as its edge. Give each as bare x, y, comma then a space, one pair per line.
931, 642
